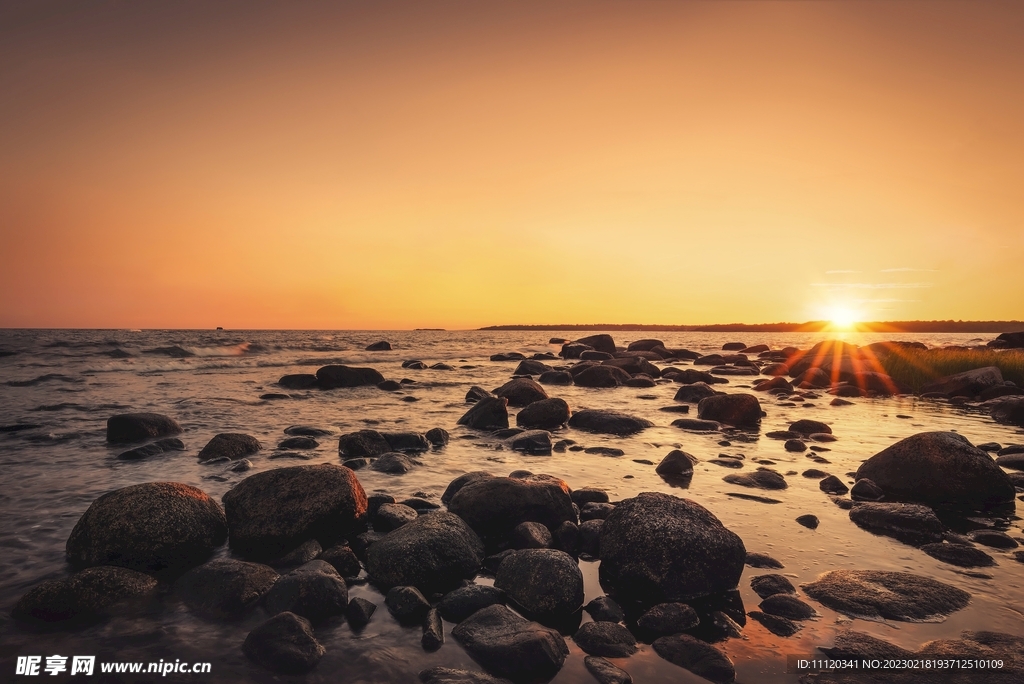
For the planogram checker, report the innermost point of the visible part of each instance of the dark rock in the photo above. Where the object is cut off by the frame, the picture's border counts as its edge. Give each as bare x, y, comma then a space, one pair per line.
809, 521
508, 356
406, 442
810, 427
606, 639
913, 522
433, 631
850, 644
92, 594
441, 366
585, 495
833, 485
572, 350
776, 383
438, 437
696, 425
137, 427
461, 481
590, 538
762, 560
957, 554
521, 392
546, 583
819, 474
225, 588
343, 559
298, 381
608, 422
389, 385
601, 376
566, 537
603, 608
875, 594
477, 393
768, 585
605, 451
285, 644
393, 463
700, 658
414, 364
1009, 411
656, 548
530, 535
555, 378
532, 442
459, 604
601, 342
795, 445
531, 367
362, 444
170, 526
1010, 340
966, 384
787, 606
274, 511
669, 618
741, 410
300, 555
297, 443
640, 381
375, 501
1013, 461
606, 673
383, 345
306, 431
776, 624
938, 468
762, 478
359, 612
494, 506
866, 490
315, 591
596, 511
509, 645
446, 675
407, 605
392, 516
331, 377
694, 392
152, 449
593, 355
488, 413
993, 538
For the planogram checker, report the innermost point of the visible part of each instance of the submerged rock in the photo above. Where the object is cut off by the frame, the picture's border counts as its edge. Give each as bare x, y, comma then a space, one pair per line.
230, 446
362, 444
511, 646
913, 522
393, 463
89, 595
494, 506
740, 410
607, 639
331, 377
601, 376
407, 604
461, 481
700, 658
521, 392
959, 555
776, 624
225, 588
285, 644
767, 585
315, 591
488, 413
160, 446
608, 422
459, 604
546, 414
762, 478
788, 606
694, 392
447, 675
874, 594
298, 381
606, 673
137, 427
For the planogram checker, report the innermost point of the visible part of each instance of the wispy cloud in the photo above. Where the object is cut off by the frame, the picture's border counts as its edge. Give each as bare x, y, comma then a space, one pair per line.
872, 286
839, 271
883, 300
908, 270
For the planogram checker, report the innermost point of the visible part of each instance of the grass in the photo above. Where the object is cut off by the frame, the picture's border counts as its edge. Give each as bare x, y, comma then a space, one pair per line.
917, 367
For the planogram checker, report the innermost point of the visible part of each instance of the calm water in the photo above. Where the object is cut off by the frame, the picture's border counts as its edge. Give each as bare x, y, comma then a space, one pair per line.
52, 473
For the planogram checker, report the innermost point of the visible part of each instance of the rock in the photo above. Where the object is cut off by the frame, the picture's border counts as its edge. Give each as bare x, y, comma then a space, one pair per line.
446, 675
913, 522
1009, 411
700, 658
608, 422
531, 535
1009, 340
148, 527
405, 442
874, 594
818, 474
795, 445
137, 427
488, 413
669, 618
762, 560
605, 451
493, 507
508, 356
833, 485
531, 367
1014, 461
433, 631
808, 427
459, 604
656, 548
604, 609
152, 449
343, 559
359, 612
585, 495
601, 342
601, 376
809, 521
438, 437
274, 511
596, 511
296, 443
957, 554
225, 588
521, 392
285, 644
433, 552
315, 591
547, 414
866, 490
461, 481
768, 585
300, 555
857, 645
993, 538
555, 378
393, 463
532, 442
694, 392
776, 383
362, 444
590, 538
389, 385
298, 381
331, 377
92, 594
566, 537
383, 345
787, 606
966, 384
545, 583
407, 605
740, 410
762, 478
938, 468
477, 393
391, 516
606, 639
572, 350
777, 625
606, 673
695, 425
512, 646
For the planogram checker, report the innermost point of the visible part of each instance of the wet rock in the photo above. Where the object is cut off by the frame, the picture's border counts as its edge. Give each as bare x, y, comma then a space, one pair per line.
605, 451
566, 537
509, 645
866, 490
446, 675
531, 367
596, 511
1009, 411
776, 624
590, 538
508, 356
555, 378
170, 526
546, 414
438, 437
724, 627
1013, 461
531, 535
833, 485
315, 591
406, 442
608, 422
768, 585
461, 481
606, 673
89, 595
433, 552
300, 555
459, 604
433, 631
362, 444
809, 521
285, 644
382, 345
299, 381
389, 385
601, 376
572, 350
875, 594
694, 392
137, 427
585, 495
775, 385
274, 511
913, 522
306, 431
787, 606
375, 501
532, 442
993, 538
477, 393
818, 474
343, 559
938, 468
966, 384
960, 555
546, 583
606, 639
762, 478
359, 612
762, 560
488, 413
700, 658
741, 410
795, 445
601, 342
656, 548
669, 618
331, 377
391, 516
414, 364
297, 443
851, 644
521, 392
156, 448
603, 608
696, 425
441, 366
224, 588
393, 463
493, 507
640, 381
407, 605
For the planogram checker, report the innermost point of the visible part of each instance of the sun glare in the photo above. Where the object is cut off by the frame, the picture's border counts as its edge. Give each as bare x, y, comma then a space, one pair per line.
842, 318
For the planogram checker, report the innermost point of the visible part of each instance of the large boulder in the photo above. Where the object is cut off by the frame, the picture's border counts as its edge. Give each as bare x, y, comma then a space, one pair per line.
330, 377
459, 604
148, 527
608, 422
601, 376
91, 594
229, 446
875, 594
694, 392
913, 523
656, 548
602, 342
285, 644
298, 381
314, 590
740, 410
545, 583
546, 414
697, 656
511, 646
494, 506
966, 384
1009, 411
363, 444
531, 367
1008, 340
406, 441
137, 427
225, 588
489, 413
272, 512
938, 469
461, 481
433, 552
521, 392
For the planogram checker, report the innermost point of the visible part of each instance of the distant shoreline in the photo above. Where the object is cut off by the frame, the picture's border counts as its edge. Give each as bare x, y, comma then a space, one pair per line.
810, 326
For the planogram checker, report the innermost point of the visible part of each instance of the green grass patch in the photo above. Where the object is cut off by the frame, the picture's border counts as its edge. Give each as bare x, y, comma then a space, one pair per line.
918, 367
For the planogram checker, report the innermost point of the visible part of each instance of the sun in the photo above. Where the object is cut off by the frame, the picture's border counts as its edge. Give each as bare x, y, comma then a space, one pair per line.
841, 317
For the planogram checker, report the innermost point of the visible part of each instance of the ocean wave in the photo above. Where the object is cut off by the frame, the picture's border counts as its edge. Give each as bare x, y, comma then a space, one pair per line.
49, 377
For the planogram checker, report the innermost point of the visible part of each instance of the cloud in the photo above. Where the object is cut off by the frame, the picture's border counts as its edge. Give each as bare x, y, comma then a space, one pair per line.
908, 270
872, 286
883, 300
835, 272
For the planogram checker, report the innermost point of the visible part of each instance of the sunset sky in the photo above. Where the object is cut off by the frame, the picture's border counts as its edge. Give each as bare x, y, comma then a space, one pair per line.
385, 165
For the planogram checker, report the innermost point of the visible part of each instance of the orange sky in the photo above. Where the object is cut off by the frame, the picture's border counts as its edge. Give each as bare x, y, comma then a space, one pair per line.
399, 165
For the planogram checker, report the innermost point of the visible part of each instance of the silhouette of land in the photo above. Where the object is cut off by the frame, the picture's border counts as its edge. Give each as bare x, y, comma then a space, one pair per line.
810, 326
